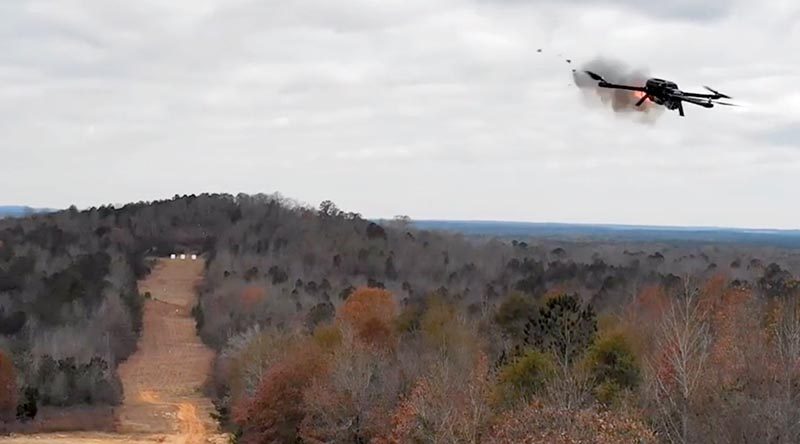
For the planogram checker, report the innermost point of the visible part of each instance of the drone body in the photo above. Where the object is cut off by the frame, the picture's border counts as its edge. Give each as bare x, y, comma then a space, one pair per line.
666, 93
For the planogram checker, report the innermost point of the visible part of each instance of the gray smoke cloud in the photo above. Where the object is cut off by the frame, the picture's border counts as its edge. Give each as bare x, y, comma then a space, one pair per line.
620, 101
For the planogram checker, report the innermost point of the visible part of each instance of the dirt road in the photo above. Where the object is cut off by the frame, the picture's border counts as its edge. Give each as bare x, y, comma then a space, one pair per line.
162, 380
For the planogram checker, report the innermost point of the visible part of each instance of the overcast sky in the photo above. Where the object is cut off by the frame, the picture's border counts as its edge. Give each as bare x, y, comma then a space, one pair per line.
430, 108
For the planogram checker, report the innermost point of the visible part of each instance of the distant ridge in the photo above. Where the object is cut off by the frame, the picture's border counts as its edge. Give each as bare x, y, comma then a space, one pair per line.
21, 211
615, 232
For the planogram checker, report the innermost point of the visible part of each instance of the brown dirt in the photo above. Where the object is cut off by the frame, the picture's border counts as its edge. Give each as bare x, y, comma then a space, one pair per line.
162, 380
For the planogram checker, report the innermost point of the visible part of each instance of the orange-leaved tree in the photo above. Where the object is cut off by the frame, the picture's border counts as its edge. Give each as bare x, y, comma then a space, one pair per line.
249, 355
739, 341
641, 319
274, 413
743, 398
8, 387
370, 312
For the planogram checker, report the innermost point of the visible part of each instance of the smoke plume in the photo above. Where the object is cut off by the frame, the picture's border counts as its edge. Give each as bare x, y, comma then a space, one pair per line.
621, 101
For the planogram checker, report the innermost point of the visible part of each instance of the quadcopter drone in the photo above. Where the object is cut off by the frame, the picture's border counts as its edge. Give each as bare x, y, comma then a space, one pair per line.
666, 93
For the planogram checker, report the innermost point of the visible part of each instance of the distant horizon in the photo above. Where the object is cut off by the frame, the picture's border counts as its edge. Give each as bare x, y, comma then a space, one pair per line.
617, 232
604, 224
624, 225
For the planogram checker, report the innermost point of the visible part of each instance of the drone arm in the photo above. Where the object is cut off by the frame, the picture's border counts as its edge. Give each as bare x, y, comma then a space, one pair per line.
615, 86
696, 102
601, 82
699, 95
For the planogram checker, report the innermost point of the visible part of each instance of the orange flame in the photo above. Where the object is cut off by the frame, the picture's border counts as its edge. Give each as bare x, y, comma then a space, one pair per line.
637, 95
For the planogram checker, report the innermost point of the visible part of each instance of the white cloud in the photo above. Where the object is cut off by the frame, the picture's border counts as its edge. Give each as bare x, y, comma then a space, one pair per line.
433, 109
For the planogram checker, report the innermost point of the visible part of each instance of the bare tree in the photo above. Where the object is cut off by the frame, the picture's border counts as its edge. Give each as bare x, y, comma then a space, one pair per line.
678, 366
350, 403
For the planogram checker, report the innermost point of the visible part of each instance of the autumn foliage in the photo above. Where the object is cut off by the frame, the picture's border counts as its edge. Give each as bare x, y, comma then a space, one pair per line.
487, 349
370, 312
737, 332
8, 387
696, 362
642, 315
539, 423
443, 407
275, 412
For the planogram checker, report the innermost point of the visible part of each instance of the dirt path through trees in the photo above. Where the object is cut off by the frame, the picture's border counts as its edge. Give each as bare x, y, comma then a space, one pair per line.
162, 380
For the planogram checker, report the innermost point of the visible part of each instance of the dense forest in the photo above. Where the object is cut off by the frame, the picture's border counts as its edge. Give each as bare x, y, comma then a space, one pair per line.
330, 327
70, 310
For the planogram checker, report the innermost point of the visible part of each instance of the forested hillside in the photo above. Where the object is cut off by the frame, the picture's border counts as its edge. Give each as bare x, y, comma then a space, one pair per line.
333, 328
69, 307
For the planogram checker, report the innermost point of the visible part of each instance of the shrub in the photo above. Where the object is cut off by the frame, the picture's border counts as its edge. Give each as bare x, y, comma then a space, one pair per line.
327, 337
524, 377
607, 392
613, 364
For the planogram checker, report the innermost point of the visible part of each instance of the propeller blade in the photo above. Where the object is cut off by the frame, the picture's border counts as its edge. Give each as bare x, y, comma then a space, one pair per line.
644, 97
717, 92
726, 104
595, 76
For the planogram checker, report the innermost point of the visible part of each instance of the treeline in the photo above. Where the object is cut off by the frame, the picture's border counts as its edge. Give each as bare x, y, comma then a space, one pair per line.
282, 263
333, 328
70, 310
711, 363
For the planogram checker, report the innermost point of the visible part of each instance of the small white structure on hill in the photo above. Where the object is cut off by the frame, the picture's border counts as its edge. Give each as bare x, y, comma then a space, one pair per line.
194, 257
183, 257
172, 256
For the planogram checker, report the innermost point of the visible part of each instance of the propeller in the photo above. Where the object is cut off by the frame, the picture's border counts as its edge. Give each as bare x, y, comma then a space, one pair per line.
717, 92
595, 76
726, 104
